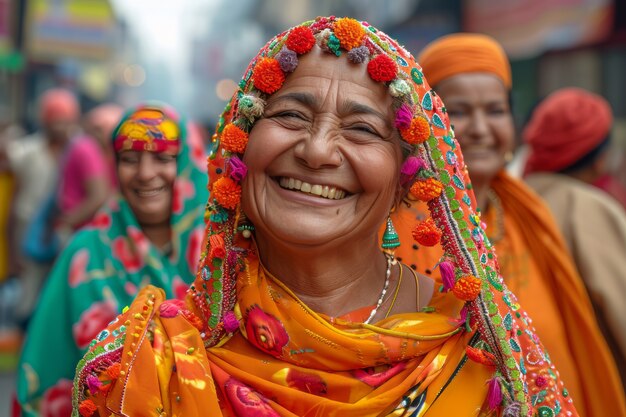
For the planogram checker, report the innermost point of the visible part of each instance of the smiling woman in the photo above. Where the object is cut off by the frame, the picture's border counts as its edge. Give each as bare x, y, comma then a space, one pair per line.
150, 233
297, 309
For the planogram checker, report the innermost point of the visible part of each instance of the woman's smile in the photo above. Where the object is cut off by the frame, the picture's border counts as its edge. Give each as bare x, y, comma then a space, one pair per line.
325, 191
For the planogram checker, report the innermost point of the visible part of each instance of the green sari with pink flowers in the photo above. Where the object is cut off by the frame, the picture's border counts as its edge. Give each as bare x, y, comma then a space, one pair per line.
98, 274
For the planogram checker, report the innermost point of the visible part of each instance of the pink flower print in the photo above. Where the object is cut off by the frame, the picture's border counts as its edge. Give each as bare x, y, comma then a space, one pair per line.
102, 220
194, 248
179, 288
123, 251
266, 332
375, 376
92, 321
78, 268
183, 189
130, 288
57, 400
139, 239
306, 382
246, 402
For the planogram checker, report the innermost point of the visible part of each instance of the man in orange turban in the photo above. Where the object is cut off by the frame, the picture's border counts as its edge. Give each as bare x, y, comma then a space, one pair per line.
568, 135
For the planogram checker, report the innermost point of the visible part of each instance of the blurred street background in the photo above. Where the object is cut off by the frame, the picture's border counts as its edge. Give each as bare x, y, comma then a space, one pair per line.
190, 54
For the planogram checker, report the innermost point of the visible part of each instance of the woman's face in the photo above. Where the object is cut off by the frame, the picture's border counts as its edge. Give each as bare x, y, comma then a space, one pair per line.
478, 107
146, 181
323, 162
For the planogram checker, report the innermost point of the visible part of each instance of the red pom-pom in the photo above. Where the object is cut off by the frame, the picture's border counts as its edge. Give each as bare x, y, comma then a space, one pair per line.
87, 408
480, 356
382, 68
426, 190
267, 76
427, 233
300, 40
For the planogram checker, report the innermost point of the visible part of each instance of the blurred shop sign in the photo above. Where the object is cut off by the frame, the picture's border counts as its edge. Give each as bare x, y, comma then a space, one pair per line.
10, 59
69, 28
526, 28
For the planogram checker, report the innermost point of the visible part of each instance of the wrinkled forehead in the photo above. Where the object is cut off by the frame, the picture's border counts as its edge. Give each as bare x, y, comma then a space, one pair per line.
321, 78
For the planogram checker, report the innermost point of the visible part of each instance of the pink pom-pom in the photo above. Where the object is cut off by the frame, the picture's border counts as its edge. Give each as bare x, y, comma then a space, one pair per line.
494, 393
238, 169
93, 383
170, 308
447, 275
411, 165
404, 115
230, 322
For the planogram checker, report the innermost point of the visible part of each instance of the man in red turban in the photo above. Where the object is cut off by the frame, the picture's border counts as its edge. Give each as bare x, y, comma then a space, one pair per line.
568, 136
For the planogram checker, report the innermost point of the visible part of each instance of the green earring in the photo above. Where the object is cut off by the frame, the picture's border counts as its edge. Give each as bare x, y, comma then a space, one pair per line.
390, 238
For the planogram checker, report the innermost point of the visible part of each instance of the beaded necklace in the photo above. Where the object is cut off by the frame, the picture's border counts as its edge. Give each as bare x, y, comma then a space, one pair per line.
390, 261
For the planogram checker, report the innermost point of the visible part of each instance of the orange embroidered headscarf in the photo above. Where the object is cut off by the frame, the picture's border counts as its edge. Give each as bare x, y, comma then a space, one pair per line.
243, 344
483, 55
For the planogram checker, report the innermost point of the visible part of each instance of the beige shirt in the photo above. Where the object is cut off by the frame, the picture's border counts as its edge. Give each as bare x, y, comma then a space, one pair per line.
594, 228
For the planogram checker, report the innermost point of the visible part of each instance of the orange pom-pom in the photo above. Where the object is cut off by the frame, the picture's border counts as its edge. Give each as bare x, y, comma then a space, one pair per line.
426, 190
349, 32
227, 192
427, 233
267, 76
418, 132
480, 356
234, 139
113, 371
87, 408
467, 288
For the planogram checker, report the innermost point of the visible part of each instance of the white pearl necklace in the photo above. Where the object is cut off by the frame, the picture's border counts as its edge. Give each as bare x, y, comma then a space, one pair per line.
390, 262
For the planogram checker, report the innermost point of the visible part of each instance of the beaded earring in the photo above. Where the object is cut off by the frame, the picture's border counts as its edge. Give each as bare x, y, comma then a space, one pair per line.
390, 239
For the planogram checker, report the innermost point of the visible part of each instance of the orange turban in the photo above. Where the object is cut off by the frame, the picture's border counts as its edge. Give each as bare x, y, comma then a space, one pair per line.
460, 53
58, 104
565, 127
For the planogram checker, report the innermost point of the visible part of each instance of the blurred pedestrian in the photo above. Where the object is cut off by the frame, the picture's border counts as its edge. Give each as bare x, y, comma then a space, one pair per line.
87, 171
34, 163
472, 75
151, 233
569, 138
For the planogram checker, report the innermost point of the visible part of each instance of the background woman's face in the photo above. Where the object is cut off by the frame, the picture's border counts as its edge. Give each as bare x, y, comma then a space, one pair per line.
478, 107
323, 162
146, 181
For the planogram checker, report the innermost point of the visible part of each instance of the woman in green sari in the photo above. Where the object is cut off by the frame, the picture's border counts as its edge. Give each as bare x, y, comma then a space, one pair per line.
150, 233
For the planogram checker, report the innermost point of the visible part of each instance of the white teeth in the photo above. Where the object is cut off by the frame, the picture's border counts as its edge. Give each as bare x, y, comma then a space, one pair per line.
315, 189
149, 193
306, 187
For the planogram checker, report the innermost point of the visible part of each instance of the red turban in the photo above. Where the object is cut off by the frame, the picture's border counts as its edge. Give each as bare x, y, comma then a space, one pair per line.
461, 53
58, 104
564, 127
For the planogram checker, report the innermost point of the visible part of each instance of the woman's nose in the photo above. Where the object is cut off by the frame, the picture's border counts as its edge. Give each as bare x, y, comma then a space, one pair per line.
319, 148
146, 169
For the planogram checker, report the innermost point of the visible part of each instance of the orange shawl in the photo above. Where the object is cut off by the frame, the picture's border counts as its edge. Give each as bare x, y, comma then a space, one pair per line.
242, 344
537, 268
